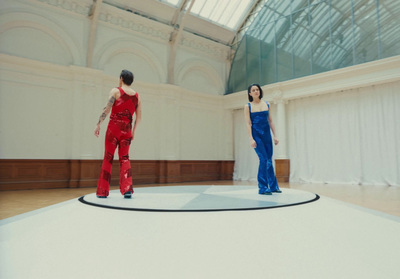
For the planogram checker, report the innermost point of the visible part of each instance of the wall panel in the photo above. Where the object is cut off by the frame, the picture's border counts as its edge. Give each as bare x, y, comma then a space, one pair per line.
42, 174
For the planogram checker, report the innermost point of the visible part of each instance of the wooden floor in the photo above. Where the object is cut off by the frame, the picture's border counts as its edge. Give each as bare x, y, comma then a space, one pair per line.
381, 198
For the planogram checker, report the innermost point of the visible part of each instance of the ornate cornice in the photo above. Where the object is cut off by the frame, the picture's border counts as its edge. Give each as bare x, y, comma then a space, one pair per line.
277, 95
136, 25
78, 7
205, 47
147, 27
158, 30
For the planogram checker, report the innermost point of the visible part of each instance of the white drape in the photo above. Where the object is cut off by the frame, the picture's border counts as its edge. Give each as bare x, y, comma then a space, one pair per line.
350, 137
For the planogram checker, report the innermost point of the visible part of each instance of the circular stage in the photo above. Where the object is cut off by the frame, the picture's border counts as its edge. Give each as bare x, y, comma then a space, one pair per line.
199, 198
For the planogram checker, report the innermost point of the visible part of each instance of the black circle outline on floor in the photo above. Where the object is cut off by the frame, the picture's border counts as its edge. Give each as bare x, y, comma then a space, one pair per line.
82, 200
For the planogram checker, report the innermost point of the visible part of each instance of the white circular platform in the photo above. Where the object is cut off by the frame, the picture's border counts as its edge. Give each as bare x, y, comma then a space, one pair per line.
199, 198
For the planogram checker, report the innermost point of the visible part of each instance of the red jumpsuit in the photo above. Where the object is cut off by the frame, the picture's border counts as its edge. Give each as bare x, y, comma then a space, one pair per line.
119, 133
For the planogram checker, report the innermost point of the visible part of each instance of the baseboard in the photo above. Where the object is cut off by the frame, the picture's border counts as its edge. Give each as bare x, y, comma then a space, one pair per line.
282, 169
25, 174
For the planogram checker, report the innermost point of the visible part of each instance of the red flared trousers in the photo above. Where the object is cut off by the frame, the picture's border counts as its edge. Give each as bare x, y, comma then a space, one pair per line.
121, 138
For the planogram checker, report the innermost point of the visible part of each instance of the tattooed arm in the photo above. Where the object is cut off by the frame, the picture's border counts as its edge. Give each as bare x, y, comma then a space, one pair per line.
113, 96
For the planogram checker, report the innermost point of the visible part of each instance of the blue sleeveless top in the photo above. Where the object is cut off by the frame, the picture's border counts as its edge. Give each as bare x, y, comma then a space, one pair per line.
259, 120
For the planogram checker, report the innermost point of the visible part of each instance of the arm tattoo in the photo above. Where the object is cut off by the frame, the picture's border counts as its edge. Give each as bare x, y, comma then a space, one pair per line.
102, 117
111, 101
106, 110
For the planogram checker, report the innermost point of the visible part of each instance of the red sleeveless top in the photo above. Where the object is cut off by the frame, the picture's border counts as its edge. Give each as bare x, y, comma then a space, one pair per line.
123, 110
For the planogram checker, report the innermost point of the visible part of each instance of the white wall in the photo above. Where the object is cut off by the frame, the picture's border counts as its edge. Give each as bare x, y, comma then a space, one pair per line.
49, 112
50, 100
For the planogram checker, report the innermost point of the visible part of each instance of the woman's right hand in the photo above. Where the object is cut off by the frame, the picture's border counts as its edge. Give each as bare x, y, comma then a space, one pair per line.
253, 143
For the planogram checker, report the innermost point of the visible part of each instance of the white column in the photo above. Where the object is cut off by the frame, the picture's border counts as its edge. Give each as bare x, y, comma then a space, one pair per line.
280, 125
94, 21
179, 20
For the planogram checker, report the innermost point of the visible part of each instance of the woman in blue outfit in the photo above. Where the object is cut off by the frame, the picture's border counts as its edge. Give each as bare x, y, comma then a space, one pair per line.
259, 123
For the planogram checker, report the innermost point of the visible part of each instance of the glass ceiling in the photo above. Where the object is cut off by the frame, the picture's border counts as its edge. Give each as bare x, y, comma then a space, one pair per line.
226, 13
288, 39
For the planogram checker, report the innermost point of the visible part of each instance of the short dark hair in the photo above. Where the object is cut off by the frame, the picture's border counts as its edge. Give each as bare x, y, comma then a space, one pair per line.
127, 77
249, 90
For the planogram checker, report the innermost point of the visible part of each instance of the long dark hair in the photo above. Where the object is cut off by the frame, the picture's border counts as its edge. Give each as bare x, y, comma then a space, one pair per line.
249, 90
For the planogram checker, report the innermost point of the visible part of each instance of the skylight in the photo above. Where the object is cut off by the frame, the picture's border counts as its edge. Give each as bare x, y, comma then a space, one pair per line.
227, 13
172, 2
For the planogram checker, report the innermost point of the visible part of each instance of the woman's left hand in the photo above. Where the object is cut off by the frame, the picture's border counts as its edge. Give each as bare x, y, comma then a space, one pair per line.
276, 141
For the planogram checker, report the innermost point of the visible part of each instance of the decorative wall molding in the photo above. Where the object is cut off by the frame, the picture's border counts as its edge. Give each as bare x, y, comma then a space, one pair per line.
277, 96
198, 66
136, 23
139, 24
363, 75
24, 18
79, 7
129, 46
211, 48
23, 66
367, 74
157, 30
141, 40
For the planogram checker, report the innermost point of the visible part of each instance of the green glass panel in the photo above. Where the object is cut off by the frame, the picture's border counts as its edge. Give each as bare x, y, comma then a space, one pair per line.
366, 32
253, 60
268, 58
295, 38
389, 23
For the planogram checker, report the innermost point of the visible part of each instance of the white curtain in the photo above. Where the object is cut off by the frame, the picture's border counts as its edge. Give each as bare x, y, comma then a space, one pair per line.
348, 137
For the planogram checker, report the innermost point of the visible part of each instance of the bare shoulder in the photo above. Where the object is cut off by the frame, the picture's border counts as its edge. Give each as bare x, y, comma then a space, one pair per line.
114, 92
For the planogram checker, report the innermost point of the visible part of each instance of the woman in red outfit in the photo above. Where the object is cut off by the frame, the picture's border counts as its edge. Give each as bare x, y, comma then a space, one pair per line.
123, 103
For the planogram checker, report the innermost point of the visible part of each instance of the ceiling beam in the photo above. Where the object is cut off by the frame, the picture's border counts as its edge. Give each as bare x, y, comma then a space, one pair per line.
178, 12
252, 10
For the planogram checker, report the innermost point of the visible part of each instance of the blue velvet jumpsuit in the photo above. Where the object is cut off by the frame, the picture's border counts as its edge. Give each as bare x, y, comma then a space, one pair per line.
261, 133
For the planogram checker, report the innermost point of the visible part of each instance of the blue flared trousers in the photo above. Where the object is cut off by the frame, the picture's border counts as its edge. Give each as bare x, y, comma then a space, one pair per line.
266, 174
262, 135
